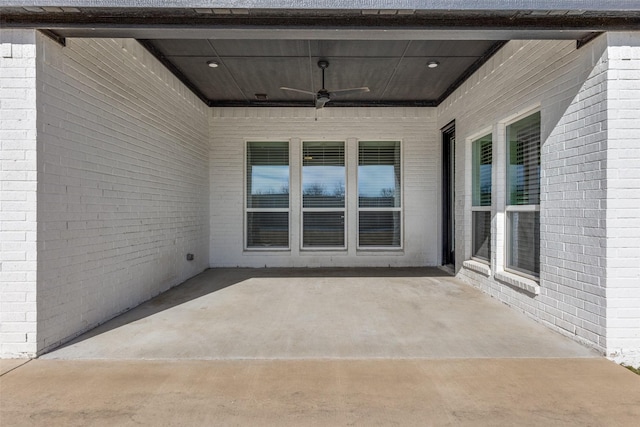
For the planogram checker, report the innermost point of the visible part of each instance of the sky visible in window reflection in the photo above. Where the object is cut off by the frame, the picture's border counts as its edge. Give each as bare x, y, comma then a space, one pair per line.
373, 180
376, 180
269, 180
323, 180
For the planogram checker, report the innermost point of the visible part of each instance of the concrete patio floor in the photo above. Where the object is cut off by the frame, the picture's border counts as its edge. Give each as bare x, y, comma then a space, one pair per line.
363, 347
320, 314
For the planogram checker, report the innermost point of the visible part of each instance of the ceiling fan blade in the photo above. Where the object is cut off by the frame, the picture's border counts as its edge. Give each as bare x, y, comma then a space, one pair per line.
320, 101
340, 92
298, 90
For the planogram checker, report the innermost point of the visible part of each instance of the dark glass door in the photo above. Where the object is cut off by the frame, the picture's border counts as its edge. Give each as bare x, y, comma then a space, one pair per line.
448, 193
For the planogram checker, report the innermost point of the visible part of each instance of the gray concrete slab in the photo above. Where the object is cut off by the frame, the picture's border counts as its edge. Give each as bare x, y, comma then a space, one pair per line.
401, 392
321, 314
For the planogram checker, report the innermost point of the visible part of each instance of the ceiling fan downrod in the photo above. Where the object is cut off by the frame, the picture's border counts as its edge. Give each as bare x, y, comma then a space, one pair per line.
323, 66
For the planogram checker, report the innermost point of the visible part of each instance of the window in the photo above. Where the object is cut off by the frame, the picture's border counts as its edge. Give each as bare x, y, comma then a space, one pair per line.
323, 195
481, 194
379, 195
523, 196
267, 203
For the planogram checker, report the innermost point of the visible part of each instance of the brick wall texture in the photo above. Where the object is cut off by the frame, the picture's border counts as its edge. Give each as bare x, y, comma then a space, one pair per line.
18, 193
623, 198
122, 183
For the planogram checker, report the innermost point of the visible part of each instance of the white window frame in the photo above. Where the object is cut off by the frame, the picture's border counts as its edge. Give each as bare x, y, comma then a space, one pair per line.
400, 209
343, 209
516, 208
507, 242
248, 210
474, 138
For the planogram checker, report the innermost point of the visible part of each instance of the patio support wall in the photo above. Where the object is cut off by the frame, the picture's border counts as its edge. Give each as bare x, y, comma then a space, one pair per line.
18, 193
623, 197
122, 183
568, 86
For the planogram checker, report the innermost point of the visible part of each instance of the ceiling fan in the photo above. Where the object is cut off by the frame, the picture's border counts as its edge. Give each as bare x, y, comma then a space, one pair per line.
323, 95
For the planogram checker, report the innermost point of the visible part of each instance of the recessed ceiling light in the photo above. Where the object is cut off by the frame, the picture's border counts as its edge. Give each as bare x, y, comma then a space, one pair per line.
213, 64
261, 96
432, 64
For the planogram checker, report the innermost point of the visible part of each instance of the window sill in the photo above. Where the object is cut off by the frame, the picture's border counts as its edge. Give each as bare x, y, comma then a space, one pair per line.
380, 252
322, 251
477, 266
520, 282
265, 251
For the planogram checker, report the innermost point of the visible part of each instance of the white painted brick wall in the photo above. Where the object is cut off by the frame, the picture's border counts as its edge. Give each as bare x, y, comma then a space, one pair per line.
623, 198
123, 183
568, 86
231, 127
18, 191
572, 217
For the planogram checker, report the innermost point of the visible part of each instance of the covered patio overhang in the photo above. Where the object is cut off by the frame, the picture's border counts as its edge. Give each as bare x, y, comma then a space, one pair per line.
383, 45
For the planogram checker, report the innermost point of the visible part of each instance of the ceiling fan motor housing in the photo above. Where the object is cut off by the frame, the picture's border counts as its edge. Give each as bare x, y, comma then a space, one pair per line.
323, 94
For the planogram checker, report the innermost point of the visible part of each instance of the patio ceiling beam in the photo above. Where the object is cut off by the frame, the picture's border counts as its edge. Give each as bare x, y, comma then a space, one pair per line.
279, 33
554, 5
320, 24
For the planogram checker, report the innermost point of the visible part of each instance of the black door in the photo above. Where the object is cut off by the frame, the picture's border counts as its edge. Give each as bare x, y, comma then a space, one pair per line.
448, 200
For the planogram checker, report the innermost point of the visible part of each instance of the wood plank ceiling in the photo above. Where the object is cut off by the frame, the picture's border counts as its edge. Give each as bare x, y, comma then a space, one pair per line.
396, 71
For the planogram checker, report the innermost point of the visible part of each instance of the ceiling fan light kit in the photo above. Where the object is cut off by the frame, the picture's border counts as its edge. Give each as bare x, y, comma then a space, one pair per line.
323, 95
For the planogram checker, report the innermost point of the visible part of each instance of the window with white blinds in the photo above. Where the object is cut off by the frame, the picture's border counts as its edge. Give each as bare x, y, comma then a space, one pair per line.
267, 195
379, 194
482, 158
523, 196
323, 195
